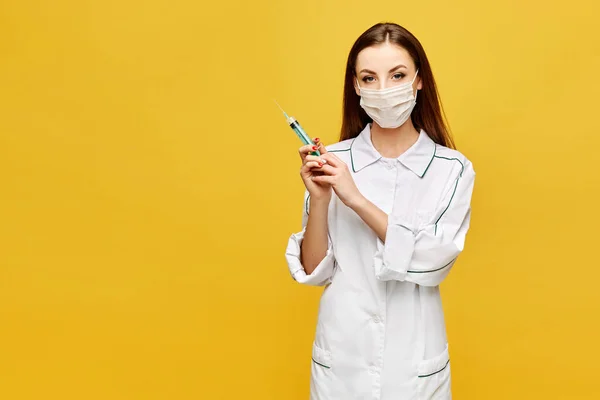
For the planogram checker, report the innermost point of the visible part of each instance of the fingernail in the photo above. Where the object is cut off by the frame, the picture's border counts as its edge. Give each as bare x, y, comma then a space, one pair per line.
324, 161
314, 147
316, 139
320, 164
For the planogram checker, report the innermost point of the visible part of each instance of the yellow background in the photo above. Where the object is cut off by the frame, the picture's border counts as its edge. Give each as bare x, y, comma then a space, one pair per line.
149, 185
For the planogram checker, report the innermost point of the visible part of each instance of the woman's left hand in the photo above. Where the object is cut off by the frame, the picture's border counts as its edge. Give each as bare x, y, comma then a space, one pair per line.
337, 174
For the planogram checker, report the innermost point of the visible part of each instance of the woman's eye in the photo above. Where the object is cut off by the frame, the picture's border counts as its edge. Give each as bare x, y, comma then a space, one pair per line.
368, 79
398, 76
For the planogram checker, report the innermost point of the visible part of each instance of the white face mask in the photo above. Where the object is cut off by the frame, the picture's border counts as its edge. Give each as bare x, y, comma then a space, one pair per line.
390, 107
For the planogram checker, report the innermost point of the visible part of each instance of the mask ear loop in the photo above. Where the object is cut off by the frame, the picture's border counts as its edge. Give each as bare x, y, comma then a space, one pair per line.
413, 81
414, 77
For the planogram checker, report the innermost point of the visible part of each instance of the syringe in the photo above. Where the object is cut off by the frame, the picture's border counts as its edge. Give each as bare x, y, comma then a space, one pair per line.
295, 125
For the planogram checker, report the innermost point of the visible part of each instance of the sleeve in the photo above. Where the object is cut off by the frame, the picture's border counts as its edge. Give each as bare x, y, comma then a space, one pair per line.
425, 256
324, 271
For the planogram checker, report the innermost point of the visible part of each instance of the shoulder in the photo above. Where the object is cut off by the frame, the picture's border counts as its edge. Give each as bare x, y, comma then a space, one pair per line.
453, 158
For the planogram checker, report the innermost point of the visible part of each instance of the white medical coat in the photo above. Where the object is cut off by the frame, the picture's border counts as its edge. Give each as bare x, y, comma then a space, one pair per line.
380, 332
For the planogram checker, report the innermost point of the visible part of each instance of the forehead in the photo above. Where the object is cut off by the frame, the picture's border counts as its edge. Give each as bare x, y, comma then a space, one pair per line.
383, 57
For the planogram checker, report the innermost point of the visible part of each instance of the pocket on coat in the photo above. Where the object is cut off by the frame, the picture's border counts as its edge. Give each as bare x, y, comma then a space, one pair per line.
320, 375
434, 377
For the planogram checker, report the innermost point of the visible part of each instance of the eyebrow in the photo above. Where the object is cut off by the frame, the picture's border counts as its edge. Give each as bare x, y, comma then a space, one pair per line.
368, 71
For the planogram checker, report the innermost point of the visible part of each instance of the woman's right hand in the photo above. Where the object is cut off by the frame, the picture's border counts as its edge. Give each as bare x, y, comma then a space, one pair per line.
311, 166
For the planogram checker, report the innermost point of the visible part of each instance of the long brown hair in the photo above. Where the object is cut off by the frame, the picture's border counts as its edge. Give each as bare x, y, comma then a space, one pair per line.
428, 113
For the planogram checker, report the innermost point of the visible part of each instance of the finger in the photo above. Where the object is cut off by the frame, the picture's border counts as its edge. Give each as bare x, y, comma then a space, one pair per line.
312, 165
328, 170
324, 179
315, 158
332, 159
307, 149
336, 161
337, 158
322, 148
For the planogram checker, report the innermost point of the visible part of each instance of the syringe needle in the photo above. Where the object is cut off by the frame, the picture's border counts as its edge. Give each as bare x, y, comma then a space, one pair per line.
286, 116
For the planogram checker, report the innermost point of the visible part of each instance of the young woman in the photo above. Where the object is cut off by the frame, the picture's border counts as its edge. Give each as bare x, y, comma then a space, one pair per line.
386, 212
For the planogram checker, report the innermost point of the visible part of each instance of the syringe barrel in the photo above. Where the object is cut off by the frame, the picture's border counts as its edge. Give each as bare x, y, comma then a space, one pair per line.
295, 125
